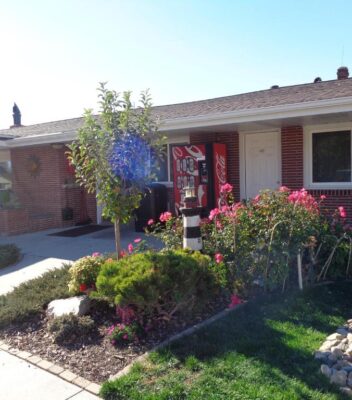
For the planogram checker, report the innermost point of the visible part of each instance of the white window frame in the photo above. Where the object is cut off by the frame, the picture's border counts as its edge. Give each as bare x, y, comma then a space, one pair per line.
173, 140
308, 155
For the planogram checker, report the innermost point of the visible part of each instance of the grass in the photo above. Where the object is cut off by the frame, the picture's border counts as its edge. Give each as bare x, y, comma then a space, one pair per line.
9, 254
31, 297
265, 350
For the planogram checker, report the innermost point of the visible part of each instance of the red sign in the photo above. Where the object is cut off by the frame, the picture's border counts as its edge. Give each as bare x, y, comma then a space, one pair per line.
219, 169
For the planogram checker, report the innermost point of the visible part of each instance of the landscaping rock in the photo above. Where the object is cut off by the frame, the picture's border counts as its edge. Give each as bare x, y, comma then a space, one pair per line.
78, 305
336, 357
346, 390
342, 331
322, 355
336, 336
325, 370
338, 377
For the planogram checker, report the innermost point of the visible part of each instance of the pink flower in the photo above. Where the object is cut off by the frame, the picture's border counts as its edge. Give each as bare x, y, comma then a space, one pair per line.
214, 213
130, 248
137, 240
150, 222
219, 258
125, 336
96, 254
166, 216
226, 188
122, 253
284, 189
342, 212
322, 197
235, 301
256, 198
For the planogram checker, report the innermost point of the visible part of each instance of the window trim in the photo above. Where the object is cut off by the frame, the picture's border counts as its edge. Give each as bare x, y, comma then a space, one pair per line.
308, 155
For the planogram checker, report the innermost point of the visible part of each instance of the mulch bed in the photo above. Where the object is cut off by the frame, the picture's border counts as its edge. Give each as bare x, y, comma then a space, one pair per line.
94, 358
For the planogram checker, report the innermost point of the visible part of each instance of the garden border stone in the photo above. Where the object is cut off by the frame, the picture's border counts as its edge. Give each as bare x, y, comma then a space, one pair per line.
54, 369
187, 332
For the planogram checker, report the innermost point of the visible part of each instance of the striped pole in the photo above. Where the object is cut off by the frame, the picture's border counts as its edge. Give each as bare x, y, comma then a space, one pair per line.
192, 238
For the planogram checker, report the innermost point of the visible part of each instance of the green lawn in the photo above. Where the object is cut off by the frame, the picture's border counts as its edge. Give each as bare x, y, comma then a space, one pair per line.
265, 350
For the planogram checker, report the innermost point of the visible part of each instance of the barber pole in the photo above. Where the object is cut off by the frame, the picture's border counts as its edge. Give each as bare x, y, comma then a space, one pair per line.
192, 238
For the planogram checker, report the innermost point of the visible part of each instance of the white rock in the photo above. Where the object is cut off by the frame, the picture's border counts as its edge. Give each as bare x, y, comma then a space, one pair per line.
78, 305
326, 346
349, 337
325, 370
335, 336
346, 390
338, 377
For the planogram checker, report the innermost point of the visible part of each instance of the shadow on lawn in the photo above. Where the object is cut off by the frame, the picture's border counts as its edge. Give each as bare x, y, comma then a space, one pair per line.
280, 332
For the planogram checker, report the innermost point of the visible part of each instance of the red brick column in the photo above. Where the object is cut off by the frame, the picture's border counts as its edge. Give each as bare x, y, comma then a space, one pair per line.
292, 156
231, 139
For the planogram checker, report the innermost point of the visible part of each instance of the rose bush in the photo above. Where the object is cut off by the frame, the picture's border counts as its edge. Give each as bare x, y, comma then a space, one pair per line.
257, 241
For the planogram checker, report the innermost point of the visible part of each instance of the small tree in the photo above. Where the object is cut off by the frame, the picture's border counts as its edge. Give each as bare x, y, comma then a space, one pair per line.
116, 153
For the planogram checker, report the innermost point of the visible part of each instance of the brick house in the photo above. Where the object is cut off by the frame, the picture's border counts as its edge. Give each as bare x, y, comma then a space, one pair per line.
297, 136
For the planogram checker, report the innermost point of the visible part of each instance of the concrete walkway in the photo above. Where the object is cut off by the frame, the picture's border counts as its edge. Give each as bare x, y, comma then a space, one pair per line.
21, 380
42, 252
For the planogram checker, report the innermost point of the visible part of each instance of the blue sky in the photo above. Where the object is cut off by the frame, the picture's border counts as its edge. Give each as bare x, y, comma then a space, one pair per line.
54, 53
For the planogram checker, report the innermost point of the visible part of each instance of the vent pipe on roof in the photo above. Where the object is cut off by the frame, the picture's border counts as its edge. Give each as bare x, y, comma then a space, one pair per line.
342, 73
317, 79
275, 87
16, 113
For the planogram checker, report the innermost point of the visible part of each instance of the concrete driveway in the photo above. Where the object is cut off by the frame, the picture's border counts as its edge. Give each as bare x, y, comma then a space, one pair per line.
42, 252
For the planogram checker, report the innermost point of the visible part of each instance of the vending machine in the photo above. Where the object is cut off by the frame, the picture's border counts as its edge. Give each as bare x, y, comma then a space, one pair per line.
202, 166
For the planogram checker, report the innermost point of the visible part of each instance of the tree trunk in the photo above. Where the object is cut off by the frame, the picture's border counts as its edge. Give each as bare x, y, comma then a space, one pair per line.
117, 238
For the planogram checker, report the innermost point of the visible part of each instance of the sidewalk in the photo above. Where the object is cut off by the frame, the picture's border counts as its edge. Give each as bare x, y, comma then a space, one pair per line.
21, 380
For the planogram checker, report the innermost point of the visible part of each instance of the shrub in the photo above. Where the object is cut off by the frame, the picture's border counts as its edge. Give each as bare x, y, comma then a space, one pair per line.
84, 273
31, 297
159, 283
9, 254
67, 328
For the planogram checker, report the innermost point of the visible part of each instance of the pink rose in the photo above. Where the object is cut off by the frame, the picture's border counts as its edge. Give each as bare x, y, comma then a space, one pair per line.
235, 301
342, 212
166, 216
96, 254
284, 189
322, 197
214, 213
219, 258
150, 221
125, 336
226, 188
137, 240
130, 248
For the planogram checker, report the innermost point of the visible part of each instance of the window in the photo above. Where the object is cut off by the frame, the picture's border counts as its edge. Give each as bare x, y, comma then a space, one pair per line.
165, 171
331, 157
5, 171
161, 173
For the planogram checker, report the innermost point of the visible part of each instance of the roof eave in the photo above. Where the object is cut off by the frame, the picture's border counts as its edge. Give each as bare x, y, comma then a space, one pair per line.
320, 107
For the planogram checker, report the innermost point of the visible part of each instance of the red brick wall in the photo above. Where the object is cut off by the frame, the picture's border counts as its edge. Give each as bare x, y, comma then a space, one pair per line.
231, 139
292, 157
45, 194
13, 222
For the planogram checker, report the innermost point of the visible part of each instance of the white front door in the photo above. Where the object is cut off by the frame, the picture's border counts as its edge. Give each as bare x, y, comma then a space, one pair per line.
262, 166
